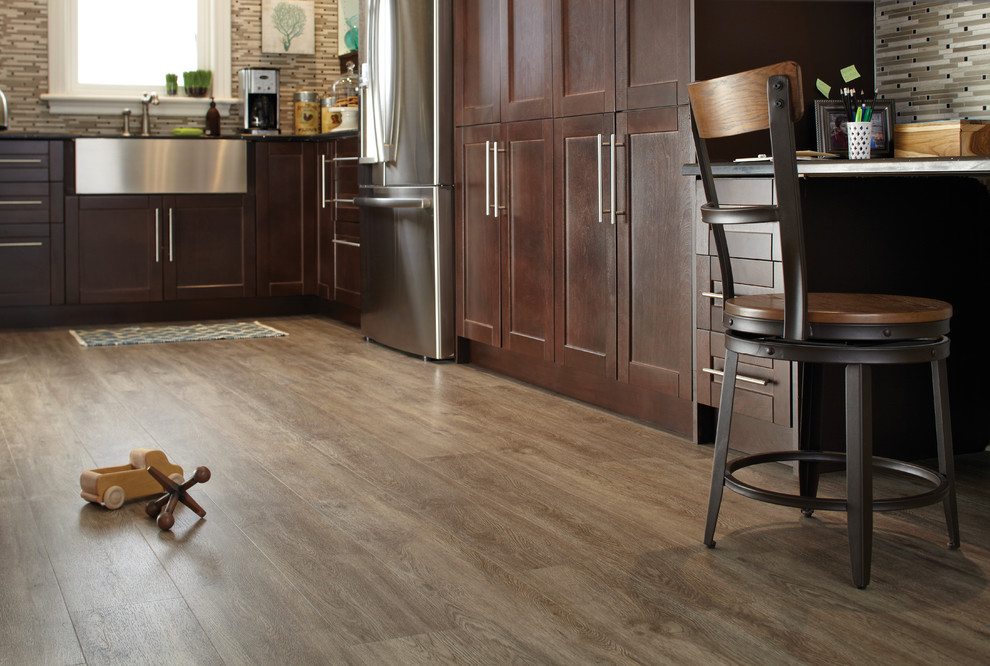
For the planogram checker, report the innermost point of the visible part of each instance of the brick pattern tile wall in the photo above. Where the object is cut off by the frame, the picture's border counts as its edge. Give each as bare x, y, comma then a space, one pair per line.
24, 69
932, 58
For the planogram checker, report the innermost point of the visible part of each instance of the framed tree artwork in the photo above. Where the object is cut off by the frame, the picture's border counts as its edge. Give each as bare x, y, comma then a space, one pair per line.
288, 26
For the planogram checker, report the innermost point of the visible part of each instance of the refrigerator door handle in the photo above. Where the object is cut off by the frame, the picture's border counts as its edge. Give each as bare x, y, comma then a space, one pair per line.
393, 202
390, 109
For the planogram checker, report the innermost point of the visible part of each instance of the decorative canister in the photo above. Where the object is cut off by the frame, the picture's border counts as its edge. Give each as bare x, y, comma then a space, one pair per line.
330, 117
307, 112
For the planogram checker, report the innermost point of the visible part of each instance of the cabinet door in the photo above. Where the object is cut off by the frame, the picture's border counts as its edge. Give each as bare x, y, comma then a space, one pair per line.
655, 256
653, 53
525, 204
208, 246
286, 201
583, 57
585, 246
526, 60
477, 72
113, 253
347, 229
477, 236
326, 151
25, 268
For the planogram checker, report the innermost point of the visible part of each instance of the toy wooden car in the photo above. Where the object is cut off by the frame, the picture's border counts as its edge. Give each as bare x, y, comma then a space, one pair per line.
112, 485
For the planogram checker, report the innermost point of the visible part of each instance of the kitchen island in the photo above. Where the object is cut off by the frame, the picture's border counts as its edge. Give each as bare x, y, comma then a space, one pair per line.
907, 226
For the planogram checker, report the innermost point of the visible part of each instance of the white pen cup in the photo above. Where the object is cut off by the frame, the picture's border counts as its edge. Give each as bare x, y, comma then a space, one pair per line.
859, 135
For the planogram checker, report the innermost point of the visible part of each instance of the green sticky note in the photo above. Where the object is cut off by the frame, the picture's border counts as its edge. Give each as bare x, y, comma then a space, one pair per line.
849, 73
823, 87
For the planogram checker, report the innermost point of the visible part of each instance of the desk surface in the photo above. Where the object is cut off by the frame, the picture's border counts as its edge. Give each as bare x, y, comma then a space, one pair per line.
903, 166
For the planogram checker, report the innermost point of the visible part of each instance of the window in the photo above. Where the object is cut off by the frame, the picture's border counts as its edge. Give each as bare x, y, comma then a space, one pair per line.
103, 54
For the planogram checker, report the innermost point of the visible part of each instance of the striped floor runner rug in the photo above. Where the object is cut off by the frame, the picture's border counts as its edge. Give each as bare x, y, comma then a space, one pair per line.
138, 335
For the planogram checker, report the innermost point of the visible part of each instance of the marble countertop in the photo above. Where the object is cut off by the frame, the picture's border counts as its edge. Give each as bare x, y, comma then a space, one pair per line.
898, 166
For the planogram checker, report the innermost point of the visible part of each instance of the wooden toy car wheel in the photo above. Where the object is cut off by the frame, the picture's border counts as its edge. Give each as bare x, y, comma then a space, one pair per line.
114, 497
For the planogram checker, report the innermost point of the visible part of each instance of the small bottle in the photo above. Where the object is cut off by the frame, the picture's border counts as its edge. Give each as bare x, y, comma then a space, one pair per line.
212, 120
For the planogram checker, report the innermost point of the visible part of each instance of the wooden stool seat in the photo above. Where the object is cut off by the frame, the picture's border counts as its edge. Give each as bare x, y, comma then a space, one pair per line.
853, 309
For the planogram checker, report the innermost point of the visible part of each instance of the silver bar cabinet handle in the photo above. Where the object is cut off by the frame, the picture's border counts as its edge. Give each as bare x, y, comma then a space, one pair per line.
158, 244
488, 176
170, 256
742, 378
600, 214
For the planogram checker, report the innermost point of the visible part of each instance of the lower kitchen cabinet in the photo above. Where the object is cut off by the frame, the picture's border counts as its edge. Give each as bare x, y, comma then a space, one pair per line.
31, 222
130, 249
338, 229
765, 390
623, 248
504, 236
286, 205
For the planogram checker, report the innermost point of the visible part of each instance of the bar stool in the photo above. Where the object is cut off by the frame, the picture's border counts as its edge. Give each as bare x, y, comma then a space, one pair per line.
856, 331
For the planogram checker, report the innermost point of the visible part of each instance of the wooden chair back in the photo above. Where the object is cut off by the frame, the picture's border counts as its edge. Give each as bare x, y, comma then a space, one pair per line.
767, 98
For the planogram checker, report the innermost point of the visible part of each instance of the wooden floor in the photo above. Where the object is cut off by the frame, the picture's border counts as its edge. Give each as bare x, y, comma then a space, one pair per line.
368, 507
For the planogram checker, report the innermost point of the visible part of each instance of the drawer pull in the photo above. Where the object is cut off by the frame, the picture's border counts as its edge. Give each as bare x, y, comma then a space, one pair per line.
22, 244
343, 242
343, 201
711, 294
344, 159
20, 160
21, 203
742, 378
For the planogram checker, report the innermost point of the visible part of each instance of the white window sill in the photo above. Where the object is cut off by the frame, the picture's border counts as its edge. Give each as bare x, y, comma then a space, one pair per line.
112, 105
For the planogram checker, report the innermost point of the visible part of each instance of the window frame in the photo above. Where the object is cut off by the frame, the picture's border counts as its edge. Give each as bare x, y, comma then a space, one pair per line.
63, 97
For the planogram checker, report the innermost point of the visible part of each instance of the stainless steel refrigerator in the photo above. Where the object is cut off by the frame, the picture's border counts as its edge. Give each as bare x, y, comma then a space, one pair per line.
406, 175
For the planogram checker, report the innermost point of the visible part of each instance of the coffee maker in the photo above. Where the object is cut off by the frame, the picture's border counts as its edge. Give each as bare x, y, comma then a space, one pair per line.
259, 100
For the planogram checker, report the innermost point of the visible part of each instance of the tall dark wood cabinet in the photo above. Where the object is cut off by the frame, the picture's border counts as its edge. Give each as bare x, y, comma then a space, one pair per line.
611, 288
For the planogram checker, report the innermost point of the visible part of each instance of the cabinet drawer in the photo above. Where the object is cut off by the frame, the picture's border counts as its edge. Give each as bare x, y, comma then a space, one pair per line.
25, 276
24, 162
24, 203
763, 387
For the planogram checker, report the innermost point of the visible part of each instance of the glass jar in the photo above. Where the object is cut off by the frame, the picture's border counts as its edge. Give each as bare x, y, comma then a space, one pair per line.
307, 112
345, 90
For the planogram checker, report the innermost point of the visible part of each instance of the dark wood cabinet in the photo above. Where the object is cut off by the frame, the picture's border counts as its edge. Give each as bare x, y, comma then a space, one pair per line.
652, 55
286, 207
630, 54
503, 51
584, 258
623, 247
585, 245
339, 237
654, 256
583, 57
134, 249
765, 390
31, 222
504, 236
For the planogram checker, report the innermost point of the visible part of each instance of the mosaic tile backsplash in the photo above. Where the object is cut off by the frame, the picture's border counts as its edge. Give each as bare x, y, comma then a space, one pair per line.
24, 68
932, 58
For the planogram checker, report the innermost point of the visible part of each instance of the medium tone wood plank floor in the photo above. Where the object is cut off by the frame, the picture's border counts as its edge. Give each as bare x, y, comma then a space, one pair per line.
367, 507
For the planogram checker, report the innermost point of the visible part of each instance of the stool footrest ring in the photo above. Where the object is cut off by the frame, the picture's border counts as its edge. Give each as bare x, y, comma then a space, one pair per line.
937, 493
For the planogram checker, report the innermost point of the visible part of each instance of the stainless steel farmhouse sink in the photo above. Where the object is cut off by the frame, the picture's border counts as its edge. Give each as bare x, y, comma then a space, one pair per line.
112, 165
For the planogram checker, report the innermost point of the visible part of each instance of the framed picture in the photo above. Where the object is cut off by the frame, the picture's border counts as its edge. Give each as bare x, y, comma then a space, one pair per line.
287, 26
830, 127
